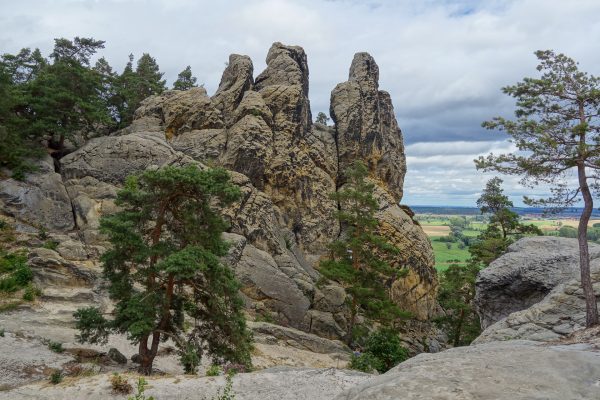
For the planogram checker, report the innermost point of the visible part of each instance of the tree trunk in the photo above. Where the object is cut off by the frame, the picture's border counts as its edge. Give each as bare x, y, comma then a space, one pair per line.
458, 330
591, 315
352, 321
146, 358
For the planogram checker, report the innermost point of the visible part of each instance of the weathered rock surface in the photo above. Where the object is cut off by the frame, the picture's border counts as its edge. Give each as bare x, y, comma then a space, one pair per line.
271, 384
537, 265
515, 370
523, 276
261, 130
366, 126
40, 200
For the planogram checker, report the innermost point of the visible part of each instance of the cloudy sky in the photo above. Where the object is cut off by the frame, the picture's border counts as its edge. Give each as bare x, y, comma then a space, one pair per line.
443, 61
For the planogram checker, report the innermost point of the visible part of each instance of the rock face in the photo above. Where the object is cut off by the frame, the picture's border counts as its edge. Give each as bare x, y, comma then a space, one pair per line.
366, 125
515, 370
41, 200
541, 275
523, 276
261, 130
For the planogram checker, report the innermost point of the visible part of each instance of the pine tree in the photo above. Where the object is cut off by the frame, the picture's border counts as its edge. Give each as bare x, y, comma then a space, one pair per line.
557, 131
359, 257
185, 80
455, 296
108, 92
63, 99
164, 270
133, 86
503, 226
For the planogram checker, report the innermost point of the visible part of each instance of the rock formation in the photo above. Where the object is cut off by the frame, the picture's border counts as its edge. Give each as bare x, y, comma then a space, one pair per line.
533, 292
514, 370
261, 130
503, 371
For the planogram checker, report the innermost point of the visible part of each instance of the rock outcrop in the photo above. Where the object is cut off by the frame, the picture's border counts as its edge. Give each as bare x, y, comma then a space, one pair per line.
515, 370
40, 200
534, 292
530, 269
261, 130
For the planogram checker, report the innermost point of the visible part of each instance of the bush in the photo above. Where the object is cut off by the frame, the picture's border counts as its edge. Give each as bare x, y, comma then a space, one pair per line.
365, 362
56, 377
213, 370
141, 388
383, 351
385, 344
120, 385
31, 292
17, 272
190, 359
50, 244
56, 347
226, 392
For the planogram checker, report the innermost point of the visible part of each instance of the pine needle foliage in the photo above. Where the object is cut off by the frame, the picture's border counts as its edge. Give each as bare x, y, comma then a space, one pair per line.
359, 258
557, 132
164, 270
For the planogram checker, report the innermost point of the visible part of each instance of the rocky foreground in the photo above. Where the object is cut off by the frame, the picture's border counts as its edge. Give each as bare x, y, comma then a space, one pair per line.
509, 370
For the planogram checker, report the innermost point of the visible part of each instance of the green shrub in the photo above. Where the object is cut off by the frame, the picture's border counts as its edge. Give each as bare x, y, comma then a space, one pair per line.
213, 370
383, 351
43, 233
1, 332
190, 359
50, 244
141, 388
16, 272
385, 344
225, 393
31, 292
56, 377
56, 347
365, 362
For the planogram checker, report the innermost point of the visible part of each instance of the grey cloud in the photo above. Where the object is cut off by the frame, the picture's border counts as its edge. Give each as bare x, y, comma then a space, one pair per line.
442, 61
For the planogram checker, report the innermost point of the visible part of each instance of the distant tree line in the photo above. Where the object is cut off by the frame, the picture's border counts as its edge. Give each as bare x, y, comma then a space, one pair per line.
45, 101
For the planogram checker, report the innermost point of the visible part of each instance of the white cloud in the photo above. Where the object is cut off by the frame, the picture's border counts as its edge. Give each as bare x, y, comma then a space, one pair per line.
443, 61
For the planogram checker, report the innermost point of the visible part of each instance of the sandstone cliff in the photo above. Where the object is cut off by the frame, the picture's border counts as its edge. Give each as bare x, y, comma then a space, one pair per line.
260, 129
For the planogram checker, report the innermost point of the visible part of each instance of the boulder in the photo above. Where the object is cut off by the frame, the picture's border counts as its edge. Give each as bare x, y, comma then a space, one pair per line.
117, 356
40, 200
514, 370
557, 315
522, 277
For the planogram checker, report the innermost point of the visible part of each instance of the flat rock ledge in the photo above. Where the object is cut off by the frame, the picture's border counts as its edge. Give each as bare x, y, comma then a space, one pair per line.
511, 370
270, 384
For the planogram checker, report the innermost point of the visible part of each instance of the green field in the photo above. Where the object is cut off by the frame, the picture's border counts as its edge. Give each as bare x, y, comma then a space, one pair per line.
444, 256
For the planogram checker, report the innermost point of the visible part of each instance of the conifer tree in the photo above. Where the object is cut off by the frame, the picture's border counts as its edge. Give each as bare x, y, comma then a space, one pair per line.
503, 226
557, 133
185, 80
63, 99
133, 86
359, 257
164, 270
